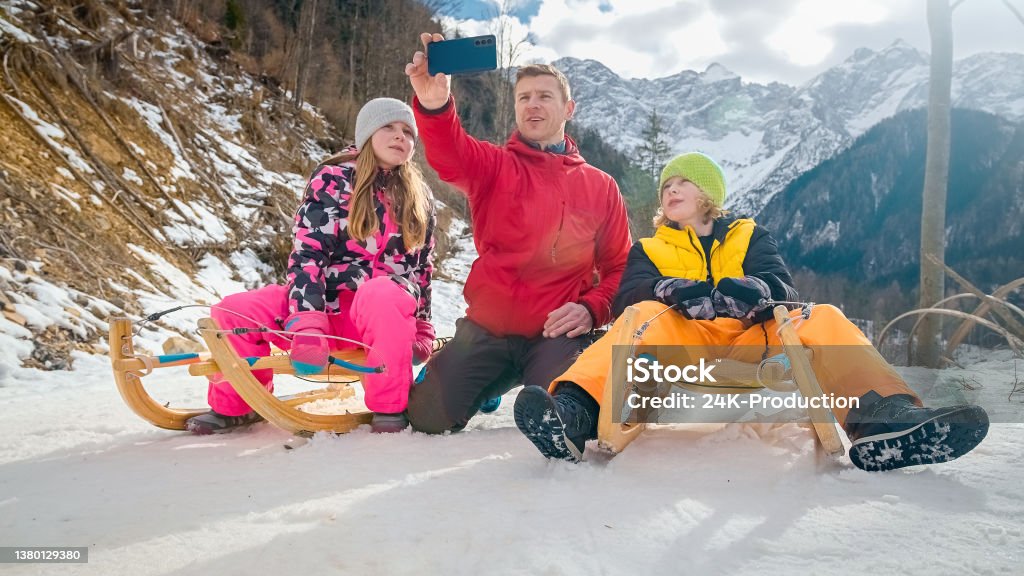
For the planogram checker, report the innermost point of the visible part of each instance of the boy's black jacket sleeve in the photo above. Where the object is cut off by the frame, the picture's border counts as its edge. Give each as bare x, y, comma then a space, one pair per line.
764, 261
638, 280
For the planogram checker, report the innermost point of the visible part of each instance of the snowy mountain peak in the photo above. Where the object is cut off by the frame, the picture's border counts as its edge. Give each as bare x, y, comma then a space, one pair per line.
899, 48
592, 68
860, 55
715, 72
767, 135
901, 51
901, 44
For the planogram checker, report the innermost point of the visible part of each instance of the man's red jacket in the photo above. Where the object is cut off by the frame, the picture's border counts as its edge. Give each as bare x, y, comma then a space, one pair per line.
543, 224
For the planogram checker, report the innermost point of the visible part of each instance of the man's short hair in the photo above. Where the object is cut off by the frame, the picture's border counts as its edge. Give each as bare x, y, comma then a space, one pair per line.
533, 70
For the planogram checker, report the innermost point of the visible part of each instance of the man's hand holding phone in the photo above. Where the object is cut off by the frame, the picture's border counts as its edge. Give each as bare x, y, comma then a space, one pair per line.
433, 91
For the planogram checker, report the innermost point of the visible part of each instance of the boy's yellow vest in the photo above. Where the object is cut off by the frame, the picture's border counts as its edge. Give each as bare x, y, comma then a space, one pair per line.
679, 253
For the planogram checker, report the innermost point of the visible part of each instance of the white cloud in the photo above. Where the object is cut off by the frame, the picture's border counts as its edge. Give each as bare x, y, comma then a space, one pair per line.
511, 34
804, 37
769, 40
637, 39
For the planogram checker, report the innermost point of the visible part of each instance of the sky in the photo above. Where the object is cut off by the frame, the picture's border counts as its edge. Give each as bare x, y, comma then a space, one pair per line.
787, 41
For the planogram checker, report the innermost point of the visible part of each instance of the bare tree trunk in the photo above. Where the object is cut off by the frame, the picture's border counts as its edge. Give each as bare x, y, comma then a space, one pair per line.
936, 178
306, 27
356, 33
510, 49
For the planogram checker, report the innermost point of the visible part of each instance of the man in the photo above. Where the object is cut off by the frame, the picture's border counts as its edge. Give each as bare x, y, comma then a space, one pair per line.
552, 236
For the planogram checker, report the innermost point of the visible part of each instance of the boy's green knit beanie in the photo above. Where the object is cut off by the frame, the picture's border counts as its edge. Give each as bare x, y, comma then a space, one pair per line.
700, 170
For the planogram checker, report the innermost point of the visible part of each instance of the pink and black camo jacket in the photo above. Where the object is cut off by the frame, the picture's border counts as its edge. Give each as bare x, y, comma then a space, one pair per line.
327, 266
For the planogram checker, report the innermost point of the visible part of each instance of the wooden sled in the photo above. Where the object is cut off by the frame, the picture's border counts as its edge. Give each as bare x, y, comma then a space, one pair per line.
736, 377
129, 369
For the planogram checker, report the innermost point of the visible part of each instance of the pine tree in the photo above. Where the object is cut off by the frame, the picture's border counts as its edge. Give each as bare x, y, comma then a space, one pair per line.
234, 21
654, 151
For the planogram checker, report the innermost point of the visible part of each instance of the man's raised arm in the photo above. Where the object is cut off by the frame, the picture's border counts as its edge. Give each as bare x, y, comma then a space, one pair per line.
459, 158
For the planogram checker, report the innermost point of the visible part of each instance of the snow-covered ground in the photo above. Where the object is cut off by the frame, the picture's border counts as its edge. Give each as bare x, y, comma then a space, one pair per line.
77, 468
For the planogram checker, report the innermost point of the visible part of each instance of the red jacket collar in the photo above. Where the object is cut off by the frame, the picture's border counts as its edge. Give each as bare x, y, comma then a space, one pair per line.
571, 157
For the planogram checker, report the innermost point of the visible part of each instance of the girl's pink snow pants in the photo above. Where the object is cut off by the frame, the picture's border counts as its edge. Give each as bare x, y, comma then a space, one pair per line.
381, 315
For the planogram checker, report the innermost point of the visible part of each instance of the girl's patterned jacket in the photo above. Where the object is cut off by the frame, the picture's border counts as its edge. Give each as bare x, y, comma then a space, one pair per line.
326, 266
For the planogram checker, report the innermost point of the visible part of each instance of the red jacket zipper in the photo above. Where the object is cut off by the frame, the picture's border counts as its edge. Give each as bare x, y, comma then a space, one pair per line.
558, 234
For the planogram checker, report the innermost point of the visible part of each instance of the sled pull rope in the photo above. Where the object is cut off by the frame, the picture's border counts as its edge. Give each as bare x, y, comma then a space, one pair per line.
260, 328
240, 331
805, 313
338, 362
147, 360
795, 322
157, 315
643, 327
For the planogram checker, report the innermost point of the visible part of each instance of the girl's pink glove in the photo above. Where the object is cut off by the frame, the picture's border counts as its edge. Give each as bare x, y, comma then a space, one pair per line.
310, 349
423, 345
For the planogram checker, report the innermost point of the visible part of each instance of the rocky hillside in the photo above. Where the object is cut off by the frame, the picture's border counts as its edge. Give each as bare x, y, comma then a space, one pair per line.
140, 167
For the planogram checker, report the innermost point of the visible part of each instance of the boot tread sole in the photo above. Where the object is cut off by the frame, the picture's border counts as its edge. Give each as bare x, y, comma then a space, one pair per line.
535, 416
943, 437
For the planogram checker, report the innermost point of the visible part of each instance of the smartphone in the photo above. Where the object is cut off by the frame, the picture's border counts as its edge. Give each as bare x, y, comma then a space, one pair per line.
462, 55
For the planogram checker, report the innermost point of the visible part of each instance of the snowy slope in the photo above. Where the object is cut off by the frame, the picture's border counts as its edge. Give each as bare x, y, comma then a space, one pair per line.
767, 135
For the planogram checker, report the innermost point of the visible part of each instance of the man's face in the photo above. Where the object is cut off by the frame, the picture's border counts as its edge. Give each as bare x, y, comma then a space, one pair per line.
540, 110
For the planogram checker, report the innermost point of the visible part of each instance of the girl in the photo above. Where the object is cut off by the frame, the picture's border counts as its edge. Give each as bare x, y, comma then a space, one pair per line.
721, 275
360, 269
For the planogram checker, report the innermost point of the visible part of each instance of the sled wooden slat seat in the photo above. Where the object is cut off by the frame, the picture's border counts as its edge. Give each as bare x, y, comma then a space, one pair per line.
300, 398
734, 377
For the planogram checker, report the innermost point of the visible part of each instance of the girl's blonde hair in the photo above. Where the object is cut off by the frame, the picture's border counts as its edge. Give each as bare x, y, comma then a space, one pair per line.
704, 203
404, 187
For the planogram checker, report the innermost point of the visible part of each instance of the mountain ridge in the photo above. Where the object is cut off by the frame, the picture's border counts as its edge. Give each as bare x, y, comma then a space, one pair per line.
850, 227
765, 135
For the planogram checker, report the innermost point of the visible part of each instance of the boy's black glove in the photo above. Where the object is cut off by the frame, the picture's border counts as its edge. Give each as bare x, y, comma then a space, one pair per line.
741, 297
691, 297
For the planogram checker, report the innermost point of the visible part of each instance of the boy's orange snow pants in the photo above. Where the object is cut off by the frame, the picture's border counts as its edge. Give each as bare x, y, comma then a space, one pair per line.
844, 361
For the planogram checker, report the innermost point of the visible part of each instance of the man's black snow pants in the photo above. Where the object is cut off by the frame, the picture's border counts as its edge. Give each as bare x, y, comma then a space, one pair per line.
476, 365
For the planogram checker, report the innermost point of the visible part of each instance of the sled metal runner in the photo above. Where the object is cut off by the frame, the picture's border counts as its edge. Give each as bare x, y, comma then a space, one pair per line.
737, 377
129, 369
